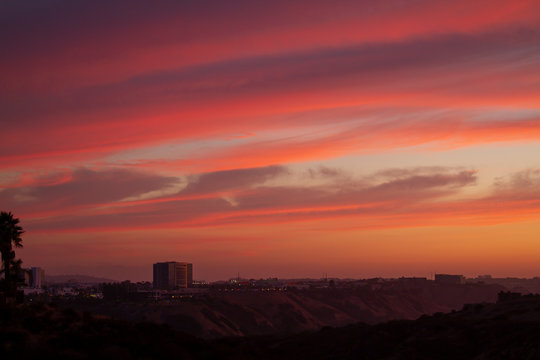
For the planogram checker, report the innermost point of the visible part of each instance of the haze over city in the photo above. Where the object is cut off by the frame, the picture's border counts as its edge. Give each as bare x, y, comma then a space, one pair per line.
273, 139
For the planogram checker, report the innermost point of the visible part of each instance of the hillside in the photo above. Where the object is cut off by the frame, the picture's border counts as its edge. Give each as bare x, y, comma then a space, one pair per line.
263, 313
507, 330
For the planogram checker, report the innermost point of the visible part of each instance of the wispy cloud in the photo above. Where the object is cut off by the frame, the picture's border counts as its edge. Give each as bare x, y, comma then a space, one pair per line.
243, 195
391, 198
82, 187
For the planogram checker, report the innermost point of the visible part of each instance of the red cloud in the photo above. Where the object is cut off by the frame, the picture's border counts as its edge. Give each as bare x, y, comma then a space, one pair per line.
440, 67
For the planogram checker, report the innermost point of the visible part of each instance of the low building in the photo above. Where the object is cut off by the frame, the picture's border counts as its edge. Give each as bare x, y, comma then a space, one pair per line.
449, 279
413, 281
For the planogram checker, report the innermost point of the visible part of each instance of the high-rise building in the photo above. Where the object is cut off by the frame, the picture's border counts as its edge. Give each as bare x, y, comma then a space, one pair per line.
172, 275
34, 277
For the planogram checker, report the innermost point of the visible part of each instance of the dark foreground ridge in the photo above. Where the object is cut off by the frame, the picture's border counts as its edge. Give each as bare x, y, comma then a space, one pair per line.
509, 329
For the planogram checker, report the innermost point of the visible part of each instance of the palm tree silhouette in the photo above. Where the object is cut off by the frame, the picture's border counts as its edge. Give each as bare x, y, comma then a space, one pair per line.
10, 237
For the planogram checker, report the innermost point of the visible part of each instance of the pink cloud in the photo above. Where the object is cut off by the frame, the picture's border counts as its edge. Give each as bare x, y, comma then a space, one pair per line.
459, 70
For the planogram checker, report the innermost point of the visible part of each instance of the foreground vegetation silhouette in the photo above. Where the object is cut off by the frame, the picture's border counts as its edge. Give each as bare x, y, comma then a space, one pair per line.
10, 238
508, 330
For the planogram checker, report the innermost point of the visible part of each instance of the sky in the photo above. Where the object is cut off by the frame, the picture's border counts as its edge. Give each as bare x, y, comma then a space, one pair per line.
273, 138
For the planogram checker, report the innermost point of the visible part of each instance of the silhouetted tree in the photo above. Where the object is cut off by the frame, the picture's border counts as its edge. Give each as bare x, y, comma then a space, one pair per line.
10, 237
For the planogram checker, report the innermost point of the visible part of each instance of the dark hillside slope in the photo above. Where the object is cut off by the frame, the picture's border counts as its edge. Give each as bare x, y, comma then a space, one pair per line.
263, 313
507, 330
45, 332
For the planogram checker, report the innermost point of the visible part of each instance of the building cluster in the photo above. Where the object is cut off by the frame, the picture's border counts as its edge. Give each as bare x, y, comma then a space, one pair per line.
172, 275
173, 281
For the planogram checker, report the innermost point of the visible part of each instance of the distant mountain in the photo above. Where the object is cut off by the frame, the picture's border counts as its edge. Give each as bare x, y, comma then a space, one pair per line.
77, 278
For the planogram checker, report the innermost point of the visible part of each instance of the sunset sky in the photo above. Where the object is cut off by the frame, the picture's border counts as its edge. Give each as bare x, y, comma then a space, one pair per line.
273, 138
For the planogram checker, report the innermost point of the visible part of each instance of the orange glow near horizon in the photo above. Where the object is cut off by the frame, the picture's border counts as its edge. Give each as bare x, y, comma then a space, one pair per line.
273, 138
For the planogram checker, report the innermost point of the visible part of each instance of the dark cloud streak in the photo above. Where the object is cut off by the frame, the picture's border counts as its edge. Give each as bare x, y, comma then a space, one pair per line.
252, 200
84, 187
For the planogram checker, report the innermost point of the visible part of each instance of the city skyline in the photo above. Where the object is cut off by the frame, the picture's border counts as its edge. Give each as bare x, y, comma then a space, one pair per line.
356, 138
